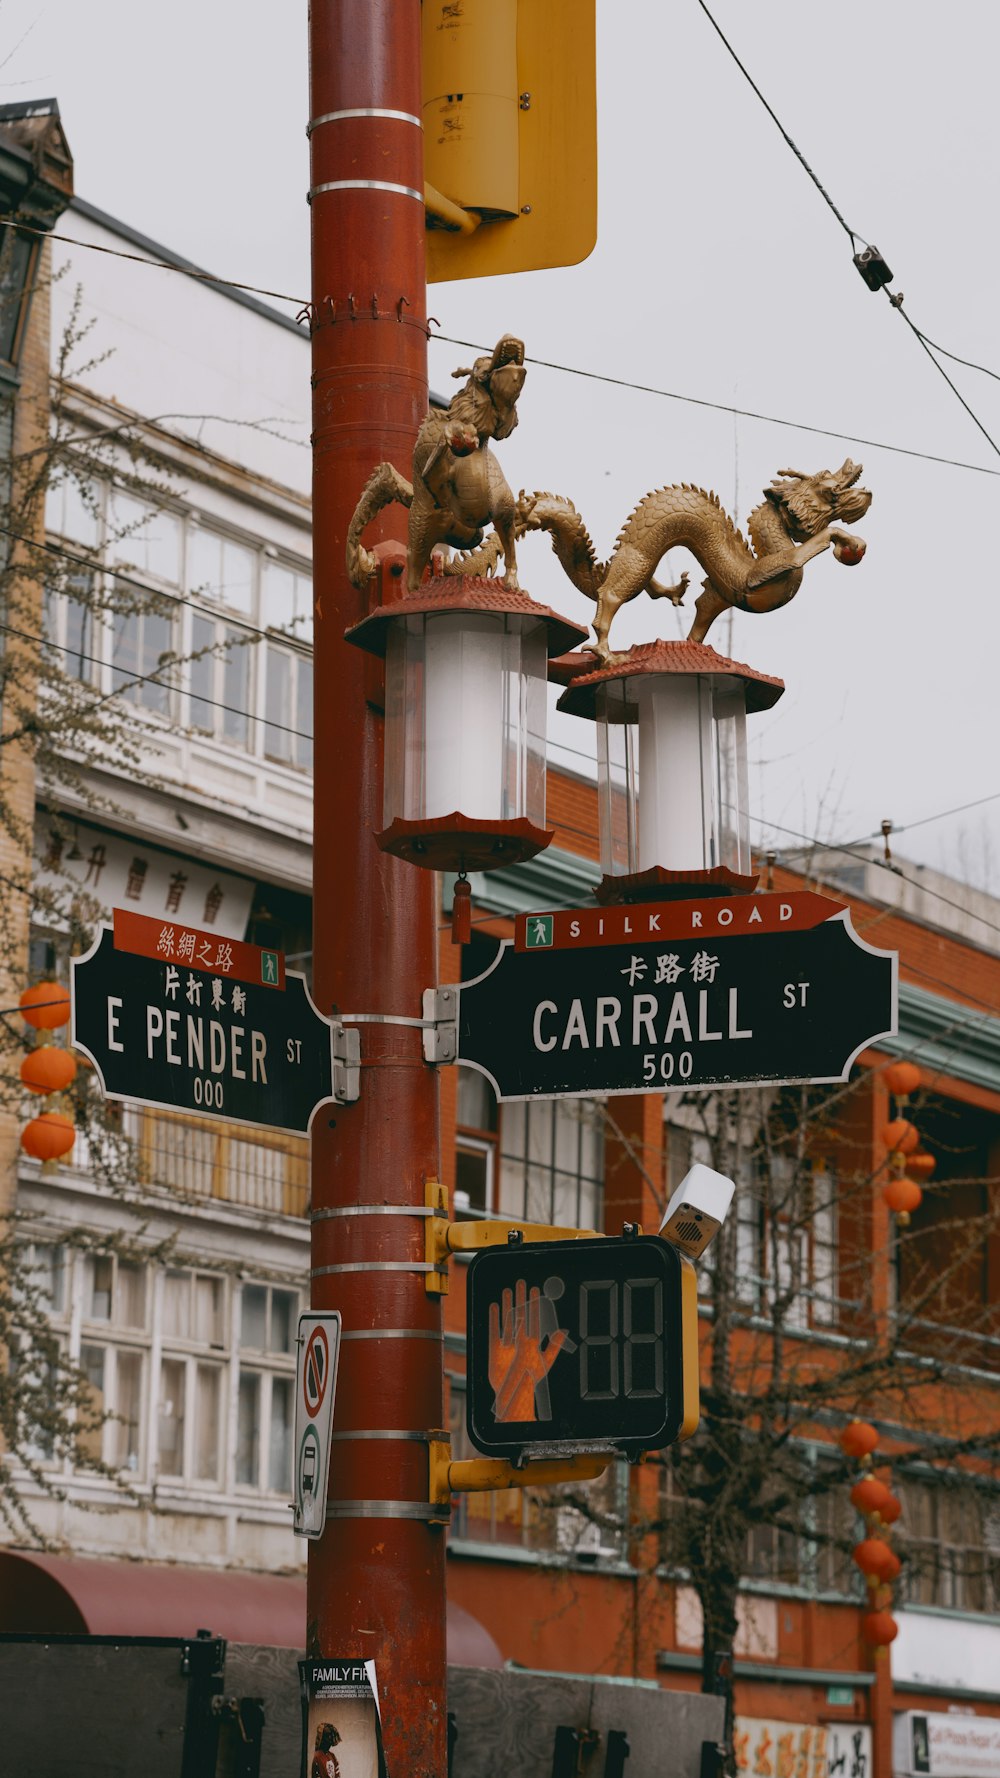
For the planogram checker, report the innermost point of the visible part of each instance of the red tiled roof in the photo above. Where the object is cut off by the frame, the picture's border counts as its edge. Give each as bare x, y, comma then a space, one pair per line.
583, 680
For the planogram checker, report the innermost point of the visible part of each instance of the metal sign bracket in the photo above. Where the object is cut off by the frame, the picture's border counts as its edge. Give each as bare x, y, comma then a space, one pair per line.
440, 1023
346, 1063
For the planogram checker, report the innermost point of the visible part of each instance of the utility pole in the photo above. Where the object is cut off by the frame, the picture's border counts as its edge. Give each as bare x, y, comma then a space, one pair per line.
376, 1577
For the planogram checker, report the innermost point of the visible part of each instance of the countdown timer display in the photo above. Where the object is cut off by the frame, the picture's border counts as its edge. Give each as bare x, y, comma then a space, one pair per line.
580, 1346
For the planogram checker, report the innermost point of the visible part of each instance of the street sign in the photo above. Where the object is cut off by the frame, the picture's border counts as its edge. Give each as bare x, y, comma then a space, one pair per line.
318, 1354
578, 1346
208, 1025
726, 992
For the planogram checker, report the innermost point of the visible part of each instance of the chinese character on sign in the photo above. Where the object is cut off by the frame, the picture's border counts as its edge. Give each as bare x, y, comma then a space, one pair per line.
185, 947
53, 856
224, 957
703, 967
165, 942
741, 1749
173, 982
859, 1763
239, 1000
762, 1765
136, 878
213, 902
178, 884
95, 864
194, 990
218, 994
785, 1759
205, 953
668, 968
635, 969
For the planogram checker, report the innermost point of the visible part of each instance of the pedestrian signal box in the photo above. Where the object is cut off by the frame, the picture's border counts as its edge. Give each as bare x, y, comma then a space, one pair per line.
578, 1346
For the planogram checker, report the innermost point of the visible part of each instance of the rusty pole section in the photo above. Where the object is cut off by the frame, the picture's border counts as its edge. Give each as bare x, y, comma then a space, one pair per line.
376, 1578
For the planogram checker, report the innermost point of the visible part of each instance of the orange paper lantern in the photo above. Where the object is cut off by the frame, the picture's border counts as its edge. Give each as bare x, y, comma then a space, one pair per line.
879, 1628
875, 1559
902, 1078
902, 1196
922, 1165
857, 1439
892, 1567
48, 1069
899, 1136
48, 1136
870, 1495
891, 1511
46, 1006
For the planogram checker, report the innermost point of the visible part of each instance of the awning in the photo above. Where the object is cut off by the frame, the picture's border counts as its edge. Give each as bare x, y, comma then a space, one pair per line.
65, 1595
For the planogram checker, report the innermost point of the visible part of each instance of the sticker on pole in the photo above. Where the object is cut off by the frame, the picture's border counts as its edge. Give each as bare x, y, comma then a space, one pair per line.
318, 1352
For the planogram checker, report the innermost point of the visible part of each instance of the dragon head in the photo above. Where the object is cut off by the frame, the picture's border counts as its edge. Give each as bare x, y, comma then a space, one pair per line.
808, 503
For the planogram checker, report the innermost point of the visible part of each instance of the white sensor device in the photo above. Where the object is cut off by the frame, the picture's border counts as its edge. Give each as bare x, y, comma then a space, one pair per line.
697, 1210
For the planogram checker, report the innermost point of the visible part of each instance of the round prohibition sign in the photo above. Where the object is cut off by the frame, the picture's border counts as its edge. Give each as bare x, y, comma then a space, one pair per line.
315, 1371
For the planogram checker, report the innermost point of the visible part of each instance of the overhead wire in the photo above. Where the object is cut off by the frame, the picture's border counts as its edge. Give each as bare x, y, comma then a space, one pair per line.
188, 271
163, 594
895, 300
154, 678
725, 407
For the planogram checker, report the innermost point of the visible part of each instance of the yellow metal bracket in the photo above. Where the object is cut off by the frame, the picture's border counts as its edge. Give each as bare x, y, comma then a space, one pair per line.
444, 1238
480, 1474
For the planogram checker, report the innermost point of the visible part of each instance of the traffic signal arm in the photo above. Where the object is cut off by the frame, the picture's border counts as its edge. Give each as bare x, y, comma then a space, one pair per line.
445, 1237
480, 1474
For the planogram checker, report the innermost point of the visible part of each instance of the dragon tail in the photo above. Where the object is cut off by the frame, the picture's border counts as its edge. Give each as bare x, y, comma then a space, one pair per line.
384, 485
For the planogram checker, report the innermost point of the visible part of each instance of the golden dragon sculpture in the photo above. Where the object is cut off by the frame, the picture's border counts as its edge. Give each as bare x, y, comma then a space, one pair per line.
795, 521
458, 486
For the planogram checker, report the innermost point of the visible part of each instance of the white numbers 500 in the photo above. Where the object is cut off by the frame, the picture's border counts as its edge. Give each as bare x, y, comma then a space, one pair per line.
668, 1065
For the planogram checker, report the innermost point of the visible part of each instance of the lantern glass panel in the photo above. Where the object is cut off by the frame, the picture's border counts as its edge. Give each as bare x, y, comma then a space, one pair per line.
617, 778
672, 774
465, 717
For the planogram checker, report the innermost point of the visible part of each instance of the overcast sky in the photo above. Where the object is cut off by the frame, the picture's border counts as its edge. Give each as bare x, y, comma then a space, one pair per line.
719, 274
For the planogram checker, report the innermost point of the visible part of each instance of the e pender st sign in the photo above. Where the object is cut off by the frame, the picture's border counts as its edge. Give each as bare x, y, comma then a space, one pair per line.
181, 1018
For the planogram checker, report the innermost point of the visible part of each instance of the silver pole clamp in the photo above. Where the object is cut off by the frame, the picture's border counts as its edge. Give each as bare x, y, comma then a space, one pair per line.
440, 1024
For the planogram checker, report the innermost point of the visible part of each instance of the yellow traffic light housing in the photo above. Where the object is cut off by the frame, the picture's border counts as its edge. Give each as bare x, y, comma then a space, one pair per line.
510, 135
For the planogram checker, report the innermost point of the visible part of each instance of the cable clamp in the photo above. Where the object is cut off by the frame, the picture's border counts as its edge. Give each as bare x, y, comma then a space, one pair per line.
440, 1024
346, 1046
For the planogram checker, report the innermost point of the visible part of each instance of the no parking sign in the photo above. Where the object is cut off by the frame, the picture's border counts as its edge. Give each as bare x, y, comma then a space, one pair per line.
318, 1348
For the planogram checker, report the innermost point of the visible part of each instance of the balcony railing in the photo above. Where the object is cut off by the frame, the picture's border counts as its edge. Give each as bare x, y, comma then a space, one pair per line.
201, 1158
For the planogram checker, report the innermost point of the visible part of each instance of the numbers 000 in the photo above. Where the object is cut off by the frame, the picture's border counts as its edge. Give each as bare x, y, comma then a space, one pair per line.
208, 1092
621, 1353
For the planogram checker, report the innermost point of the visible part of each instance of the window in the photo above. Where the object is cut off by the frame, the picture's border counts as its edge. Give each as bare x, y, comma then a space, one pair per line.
144, 539
288, 707
952, 1542
552, 1162
286, 601
219, 680
221, 571
141, 652
70, 627
475, 1142
265, 1404
17, 261
199, 656
114, 1291
193, 1307
115, 1378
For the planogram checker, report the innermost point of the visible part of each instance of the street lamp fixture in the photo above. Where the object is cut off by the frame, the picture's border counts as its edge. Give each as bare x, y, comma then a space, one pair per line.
465, 714
672, 768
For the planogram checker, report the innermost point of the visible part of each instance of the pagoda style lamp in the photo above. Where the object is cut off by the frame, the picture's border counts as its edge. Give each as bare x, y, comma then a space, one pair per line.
672, 768
466, 673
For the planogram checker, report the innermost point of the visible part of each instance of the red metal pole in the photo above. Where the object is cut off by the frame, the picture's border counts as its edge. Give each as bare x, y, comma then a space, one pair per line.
376, 1577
